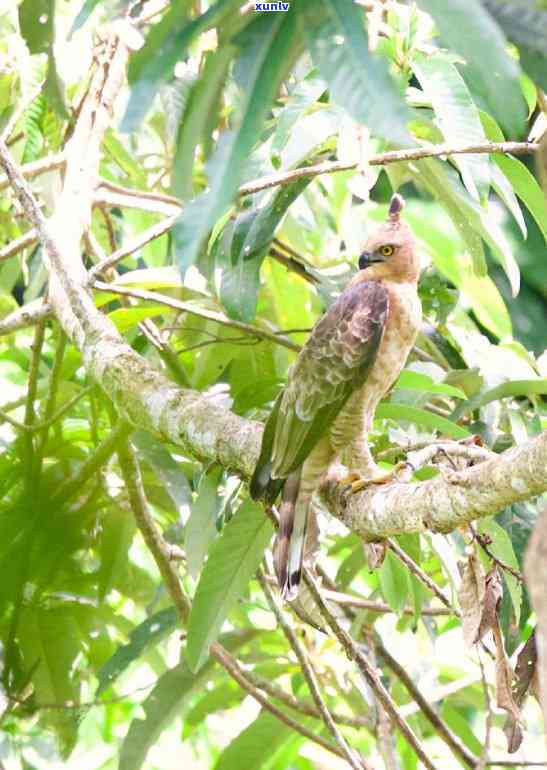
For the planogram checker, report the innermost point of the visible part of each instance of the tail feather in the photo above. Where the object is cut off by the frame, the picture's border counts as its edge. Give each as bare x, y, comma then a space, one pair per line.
289, 547
263, 486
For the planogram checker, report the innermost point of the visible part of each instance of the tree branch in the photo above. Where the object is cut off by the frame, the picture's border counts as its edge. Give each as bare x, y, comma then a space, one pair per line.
450, 500
394, 156
353, 759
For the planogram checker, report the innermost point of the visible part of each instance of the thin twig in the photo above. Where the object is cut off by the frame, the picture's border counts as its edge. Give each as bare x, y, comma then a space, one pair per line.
147, 527
37, 167
306, 708
232, 667
430, 714
352, 757
17, 245
186, 307
418, 572
348, 600
131, 191
368, 671
484, 541
394, 156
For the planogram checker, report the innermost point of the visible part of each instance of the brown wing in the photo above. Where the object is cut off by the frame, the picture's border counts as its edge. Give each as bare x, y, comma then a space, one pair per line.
333, 364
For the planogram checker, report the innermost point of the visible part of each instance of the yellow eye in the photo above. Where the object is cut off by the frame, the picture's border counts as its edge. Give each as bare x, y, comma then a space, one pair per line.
387, 251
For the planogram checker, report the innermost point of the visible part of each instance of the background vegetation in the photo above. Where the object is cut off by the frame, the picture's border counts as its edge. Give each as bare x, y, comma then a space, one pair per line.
122, 564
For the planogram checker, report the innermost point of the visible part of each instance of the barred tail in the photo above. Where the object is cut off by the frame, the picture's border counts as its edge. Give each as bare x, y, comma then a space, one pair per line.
289, 546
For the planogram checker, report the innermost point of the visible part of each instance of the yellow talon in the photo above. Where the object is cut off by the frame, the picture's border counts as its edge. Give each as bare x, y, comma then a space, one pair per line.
355, 483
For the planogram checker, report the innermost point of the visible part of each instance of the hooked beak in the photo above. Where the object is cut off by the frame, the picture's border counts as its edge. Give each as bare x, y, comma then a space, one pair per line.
368, 258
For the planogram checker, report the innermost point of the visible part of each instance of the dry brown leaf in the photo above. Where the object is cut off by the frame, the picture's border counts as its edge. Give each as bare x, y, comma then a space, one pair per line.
504, 692
471, 596
523, 683
375, 553
493, 592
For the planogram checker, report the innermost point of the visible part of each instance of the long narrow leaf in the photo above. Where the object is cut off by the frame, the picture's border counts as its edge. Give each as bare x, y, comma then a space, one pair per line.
505, 390
268, 47
421, 417
233, 560
166, 44
457, 115
358, 80
468, 28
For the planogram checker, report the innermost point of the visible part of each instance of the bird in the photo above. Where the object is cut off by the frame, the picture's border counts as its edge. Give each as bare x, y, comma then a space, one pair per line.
320, 420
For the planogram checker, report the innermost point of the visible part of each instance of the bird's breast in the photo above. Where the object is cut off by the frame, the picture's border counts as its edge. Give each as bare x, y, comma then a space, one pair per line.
402, 325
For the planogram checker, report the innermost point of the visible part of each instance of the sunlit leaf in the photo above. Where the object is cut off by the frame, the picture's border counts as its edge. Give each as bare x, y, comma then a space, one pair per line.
469, 30
359, 81
149, 632
267, 47
502, 548
505, 390
233, 560
169, 698
202, 525
388, 411
393, 581
457, 115
166, 44
246, 751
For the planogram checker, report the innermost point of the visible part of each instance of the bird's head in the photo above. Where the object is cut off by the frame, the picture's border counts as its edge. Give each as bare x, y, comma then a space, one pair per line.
390, 251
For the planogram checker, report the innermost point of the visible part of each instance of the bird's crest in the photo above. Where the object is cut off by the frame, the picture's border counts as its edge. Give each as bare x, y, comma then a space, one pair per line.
395, 207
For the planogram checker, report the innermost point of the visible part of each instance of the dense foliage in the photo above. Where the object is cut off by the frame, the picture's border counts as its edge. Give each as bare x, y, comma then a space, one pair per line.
220, 104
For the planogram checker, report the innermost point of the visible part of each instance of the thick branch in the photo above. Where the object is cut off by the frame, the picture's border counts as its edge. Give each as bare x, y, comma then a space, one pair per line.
448, 501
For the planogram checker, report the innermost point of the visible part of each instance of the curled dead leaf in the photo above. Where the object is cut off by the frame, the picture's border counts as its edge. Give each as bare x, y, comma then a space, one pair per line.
471, 596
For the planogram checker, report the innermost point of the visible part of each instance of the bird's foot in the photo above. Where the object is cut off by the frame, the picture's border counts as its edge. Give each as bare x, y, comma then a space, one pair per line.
354, 482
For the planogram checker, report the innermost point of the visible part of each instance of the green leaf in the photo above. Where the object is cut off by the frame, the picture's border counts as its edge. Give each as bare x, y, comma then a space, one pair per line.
457, 115
233, 560
117, 532
434, 176
387, 411
169, 699
526, 187
502, 548
167, 44
467, 28
83, 15
240, 250
513, 389
148, 633
256, 745
472, 220
202, 103
460, 725
394, 582
418, 381
358, 80
201, 529
268, 47
525, 23
32, 122
222, 697
50, 642
36, 21
166, 469
126, 318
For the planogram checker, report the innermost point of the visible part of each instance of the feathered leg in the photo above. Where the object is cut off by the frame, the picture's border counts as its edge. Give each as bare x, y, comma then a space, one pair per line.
294, 514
